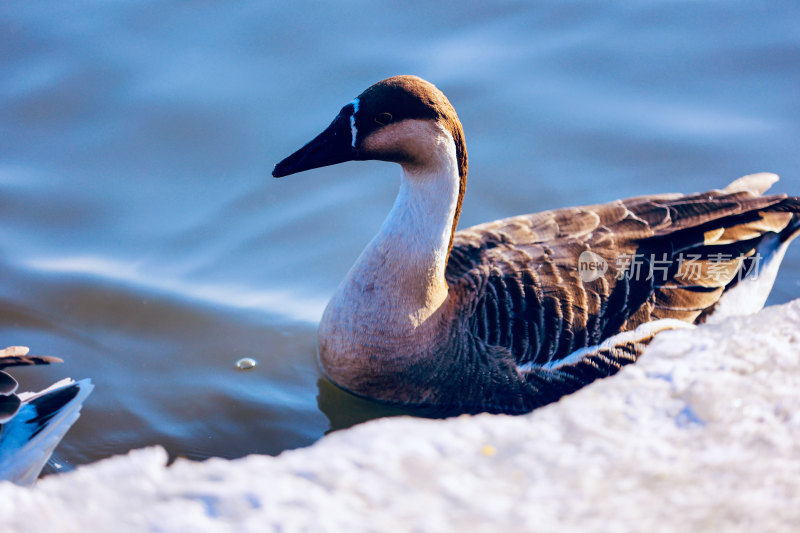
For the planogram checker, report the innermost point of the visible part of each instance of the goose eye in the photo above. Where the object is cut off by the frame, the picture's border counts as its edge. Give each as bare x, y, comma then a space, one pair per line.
383, 118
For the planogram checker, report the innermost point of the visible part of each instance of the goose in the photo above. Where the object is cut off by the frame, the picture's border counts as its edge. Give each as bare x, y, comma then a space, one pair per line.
510, 315
32, 424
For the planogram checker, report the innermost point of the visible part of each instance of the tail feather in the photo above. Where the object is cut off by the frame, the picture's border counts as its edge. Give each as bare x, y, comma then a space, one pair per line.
717, 248
8, 385
792, 229
9, 406
755, 183
748, 291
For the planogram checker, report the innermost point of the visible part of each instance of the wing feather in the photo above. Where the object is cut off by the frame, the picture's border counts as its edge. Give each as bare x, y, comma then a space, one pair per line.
531, 299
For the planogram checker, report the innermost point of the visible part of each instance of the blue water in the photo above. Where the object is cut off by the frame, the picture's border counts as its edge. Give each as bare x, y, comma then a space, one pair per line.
143, 241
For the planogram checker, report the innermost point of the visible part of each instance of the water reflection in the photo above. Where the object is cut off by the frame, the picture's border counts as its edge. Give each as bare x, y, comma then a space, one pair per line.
345, 410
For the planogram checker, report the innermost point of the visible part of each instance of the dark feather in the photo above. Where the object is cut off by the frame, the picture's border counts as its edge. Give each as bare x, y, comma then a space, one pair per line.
8, 385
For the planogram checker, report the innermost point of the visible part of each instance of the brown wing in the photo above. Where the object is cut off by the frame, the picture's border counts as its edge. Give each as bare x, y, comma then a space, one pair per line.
522, 287
18, 356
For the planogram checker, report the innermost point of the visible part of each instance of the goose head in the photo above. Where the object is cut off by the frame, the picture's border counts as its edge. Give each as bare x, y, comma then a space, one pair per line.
397, 120
402, 119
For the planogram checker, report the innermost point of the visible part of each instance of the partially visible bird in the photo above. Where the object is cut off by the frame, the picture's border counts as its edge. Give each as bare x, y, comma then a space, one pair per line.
32, 424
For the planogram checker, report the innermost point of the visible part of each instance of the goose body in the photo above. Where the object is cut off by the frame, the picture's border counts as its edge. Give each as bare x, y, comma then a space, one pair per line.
513, 314
32, 424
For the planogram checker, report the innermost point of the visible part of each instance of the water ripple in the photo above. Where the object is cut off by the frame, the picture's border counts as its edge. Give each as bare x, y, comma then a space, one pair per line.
282, 302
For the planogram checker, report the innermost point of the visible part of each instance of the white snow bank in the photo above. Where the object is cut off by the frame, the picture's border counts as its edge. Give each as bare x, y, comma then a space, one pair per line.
703, 434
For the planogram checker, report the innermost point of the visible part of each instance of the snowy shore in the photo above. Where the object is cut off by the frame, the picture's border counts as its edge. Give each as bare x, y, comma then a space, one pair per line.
703, 434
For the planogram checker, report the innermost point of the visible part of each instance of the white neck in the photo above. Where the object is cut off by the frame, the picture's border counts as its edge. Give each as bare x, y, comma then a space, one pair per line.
398, 280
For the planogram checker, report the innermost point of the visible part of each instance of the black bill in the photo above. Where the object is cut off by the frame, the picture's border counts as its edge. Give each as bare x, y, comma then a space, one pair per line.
332, 146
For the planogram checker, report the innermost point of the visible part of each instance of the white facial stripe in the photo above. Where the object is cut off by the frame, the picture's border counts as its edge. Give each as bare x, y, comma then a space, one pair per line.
353, 130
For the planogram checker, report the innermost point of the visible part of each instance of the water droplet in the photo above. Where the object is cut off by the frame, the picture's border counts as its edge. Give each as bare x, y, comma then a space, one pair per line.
246, 363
